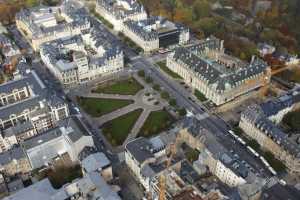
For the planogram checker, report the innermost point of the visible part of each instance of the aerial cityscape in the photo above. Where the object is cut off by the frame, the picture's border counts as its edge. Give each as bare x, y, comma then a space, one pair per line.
149, 100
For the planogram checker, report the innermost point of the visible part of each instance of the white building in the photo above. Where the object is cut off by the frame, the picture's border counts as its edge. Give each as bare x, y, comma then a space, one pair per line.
91, 186
70, 137
140, 154
26, 109
155, 32
117, 12
220, 162
43, 24
218, 76
81, 58
98, 162
260, 123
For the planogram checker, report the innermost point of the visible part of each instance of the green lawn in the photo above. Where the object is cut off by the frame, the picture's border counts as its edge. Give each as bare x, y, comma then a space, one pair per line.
125, 87
97, 107
156, 122
199, 95
162, 66
117, 130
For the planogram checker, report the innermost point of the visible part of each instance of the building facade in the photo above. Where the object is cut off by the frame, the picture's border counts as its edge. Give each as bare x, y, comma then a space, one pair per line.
260, 123
155, 32
44, 24
90, 186
220, 77
213, 155
26, 109
70, 136
81, 58
140, 154
117, 12
14, 161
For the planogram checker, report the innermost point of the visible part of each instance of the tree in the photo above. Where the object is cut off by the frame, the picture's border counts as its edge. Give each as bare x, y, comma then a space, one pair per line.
149, 79
156, 87
165, 95
173, 102
31, 3
170, 6
201, 9
182, 111
209, 25
141, 73
183, 15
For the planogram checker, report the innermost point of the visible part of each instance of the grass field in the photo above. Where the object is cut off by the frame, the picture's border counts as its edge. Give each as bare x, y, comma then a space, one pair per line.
156, 122
162, 66
199, 95
125, 87
97, 107
117, 130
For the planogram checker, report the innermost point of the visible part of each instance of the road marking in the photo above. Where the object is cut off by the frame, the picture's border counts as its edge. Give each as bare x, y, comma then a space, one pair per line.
202, 116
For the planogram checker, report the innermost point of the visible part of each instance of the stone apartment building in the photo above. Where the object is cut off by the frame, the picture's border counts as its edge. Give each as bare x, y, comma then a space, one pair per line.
155, 32
43, 24
260, 122
69, 137
117, 12
213, 154
14, 161
220, 77
141, 156
27, 108
81, 58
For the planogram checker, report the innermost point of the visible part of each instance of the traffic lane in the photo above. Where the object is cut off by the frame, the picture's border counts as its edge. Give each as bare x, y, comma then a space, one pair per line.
217, 126
164, 82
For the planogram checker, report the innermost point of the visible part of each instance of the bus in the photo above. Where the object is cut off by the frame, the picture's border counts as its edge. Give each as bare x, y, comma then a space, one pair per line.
253, 151
264, 161
272, 170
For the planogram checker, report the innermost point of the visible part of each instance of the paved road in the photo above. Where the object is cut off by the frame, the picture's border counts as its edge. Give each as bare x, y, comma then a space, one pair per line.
216, 125
213, 123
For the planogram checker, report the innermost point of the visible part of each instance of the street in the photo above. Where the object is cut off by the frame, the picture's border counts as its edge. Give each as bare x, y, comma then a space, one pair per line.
183, 97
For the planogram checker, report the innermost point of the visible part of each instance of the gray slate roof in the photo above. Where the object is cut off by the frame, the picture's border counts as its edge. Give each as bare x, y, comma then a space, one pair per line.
15, 153
215, 74
141, 149
255, 114
119, 12
143, 30
95, 161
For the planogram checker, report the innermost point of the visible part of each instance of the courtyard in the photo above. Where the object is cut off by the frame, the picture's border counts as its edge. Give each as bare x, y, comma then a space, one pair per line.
126, 109
116, 130
157, 122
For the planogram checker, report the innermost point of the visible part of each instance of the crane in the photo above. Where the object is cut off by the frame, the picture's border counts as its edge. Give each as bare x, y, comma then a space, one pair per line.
162, 178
